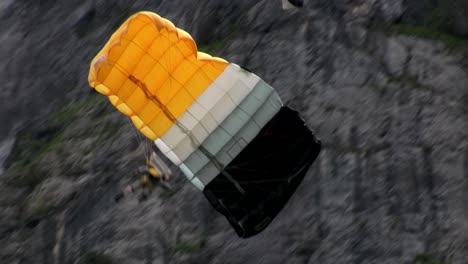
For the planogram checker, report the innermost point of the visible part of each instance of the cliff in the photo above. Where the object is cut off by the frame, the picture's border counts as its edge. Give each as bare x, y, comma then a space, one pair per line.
384, 84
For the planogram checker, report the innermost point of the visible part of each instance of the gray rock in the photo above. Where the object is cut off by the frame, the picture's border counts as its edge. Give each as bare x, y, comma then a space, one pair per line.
396, 57
389, 185
5, 149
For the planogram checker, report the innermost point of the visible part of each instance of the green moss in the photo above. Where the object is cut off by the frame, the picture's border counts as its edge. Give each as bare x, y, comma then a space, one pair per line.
24, 165
213, 46
425, 258
95, 258
409, 81
218, 43
64, 115
25, 168
363, 223
428, 33
39, 208
412, 82
70, 112
394, 78
24, 175
32, 145
187, 247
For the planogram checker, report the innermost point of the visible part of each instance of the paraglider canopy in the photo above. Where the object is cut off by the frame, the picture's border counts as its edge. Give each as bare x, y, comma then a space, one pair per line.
224, 127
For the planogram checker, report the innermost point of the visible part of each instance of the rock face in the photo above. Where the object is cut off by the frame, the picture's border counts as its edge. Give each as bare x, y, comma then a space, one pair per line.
389, 187
444, 15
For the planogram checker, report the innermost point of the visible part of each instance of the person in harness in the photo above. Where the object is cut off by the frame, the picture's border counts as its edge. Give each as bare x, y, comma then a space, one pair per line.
155, 173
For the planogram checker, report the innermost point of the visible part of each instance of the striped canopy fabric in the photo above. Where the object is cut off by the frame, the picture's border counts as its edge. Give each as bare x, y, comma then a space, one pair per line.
223, 126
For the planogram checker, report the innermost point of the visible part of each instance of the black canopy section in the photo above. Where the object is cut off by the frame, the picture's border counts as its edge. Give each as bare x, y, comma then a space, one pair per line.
269, 169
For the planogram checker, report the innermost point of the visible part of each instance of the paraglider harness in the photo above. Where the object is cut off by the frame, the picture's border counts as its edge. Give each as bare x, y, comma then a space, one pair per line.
150, 176
155, 173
